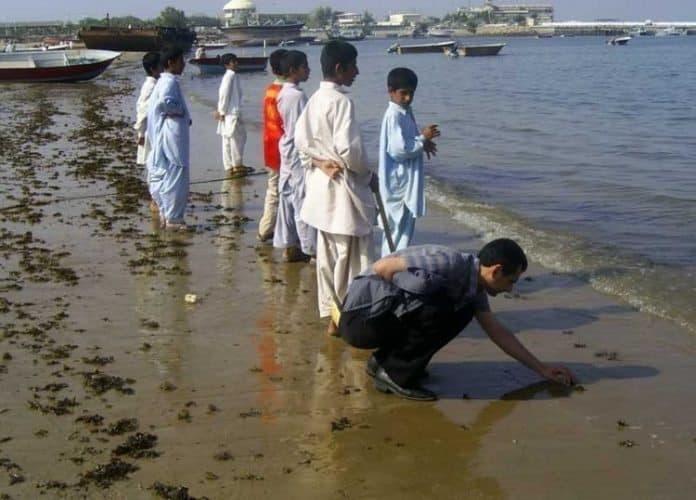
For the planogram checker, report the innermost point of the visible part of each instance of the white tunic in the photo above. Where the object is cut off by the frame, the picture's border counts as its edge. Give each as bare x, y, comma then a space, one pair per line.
229, 104
141, 117
327, 130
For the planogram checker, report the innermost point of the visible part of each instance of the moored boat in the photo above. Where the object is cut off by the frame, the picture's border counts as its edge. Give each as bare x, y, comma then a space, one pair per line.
213, 66
421, 48
136, 39
622, 40
54, 66
490, 49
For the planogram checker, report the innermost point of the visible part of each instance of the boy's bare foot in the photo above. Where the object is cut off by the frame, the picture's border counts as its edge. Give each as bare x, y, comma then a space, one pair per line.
153, 207
294, 254
332, 329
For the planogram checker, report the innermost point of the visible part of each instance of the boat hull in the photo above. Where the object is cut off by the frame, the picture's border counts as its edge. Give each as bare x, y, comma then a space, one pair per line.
491, 49
213, 66
425, 48
256, 35
82, 65
136, 40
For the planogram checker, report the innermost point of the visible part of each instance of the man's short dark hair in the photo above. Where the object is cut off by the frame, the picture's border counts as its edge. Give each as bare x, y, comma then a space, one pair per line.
227, 58
506, 252
275, 61
171, 54
336, 52
151, 61
293, 59
402, 78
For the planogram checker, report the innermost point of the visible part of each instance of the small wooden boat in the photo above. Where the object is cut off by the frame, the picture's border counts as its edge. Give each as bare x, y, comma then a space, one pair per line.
421, 48
490, 49
54, 66
213, 66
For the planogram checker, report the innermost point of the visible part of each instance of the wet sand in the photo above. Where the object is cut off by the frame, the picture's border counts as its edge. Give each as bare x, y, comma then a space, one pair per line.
241, 393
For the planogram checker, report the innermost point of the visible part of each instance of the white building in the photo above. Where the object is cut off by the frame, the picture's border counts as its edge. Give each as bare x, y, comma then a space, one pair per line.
348, 19
236, 12
401, 20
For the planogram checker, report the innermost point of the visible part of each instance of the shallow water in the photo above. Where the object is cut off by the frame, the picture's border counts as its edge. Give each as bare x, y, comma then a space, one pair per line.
582, 151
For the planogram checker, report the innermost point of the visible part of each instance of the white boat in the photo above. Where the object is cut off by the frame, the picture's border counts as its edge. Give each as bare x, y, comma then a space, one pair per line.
620, 40
440, 32
54, 66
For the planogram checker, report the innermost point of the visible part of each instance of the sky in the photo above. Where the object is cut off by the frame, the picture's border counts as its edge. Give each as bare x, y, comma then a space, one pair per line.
565, 10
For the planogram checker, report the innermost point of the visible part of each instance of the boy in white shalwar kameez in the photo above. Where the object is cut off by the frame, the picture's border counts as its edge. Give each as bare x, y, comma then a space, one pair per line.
229, 113
151, 64
338, 200
401, 148
168, 122
291, 233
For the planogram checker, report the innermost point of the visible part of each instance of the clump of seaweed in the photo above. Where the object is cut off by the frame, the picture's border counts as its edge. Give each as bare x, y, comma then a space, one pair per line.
138, 445
100, 382
105, 474
122, 426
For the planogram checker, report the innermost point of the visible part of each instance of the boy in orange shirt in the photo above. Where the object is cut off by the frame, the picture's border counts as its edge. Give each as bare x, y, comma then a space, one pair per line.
272, 132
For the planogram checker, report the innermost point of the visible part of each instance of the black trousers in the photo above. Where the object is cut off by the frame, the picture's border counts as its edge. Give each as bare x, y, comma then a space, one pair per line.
405, 345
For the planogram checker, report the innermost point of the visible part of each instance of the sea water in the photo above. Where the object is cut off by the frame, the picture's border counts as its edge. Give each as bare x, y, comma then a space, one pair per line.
583, 152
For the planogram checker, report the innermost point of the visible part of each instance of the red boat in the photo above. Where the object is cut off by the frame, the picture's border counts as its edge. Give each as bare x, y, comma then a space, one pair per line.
213, 66
54, 66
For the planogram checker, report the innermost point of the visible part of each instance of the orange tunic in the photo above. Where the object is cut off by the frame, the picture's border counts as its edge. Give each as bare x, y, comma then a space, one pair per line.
272, 126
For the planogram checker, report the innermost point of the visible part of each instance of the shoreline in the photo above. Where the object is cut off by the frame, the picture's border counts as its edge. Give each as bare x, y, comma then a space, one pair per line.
246, 395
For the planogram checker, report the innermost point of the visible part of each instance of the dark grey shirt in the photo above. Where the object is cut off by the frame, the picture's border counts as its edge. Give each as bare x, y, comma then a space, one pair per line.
431, 269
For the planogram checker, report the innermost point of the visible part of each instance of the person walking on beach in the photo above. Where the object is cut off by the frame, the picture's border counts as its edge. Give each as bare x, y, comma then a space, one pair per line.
168, 122
338, 200
229, 115
292, 234
401, 148
272, 131
412, 303
153, 68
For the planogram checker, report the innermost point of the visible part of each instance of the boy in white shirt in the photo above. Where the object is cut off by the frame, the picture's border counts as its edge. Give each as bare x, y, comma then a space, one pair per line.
229, 116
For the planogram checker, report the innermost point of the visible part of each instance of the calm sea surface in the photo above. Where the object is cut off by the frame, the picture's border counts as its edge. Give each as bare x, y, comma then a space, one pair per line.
583, 152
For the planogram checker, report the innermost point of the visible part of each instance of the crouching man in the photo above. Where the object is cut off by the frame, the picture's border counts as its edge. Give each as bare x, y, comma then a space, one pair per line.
415, 301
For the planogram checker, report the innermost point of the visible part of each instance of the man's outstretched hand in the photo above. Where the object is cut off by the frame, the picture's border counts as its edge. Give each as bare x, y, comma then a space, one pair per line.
559, 374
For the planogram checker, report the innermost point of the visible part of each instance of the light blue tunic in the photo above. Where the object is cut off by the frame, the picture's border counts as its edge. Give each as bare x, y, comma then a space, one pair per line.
168, 122
401, 180
290, 230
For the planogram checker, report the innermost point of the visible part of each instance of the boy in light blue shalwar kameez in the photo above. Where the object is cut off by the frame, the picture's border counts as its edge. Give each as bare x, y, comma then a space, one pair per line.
401, 148
168, 122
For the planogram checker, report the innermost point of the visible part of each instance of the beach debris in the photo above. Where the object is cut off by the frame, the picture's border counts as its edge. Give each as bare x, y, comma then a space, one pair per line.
138, 445
122, 426
94, 419
105, 474
223, 456
249, 477
627, 443
149, 323
190, 298
51, 485
608, 355
621, 424
579, 345
253, 412
62, 407
579, 388
167, 386
16, 477
98, 360
341, 424
211, 476
170, 492
212, 408
568, 332
99, 382
184, 415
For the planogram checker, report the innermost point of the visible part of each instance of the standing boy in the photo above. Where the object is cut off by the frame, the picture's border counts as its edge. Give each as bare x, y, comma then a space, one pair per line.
151, 64
229, 116
168, 122
291, 233
401, 148
272, 131
338, 201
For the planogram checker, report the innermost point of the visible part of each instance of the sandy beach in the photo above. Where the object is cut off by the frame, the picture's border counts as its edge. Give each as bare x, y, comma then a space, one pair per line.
113, 386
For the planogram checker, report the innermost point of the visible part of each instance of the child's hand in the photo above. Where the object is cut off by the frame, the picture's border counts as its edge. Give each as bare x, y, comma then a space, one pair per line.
430, 148
330, 168
430, 132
